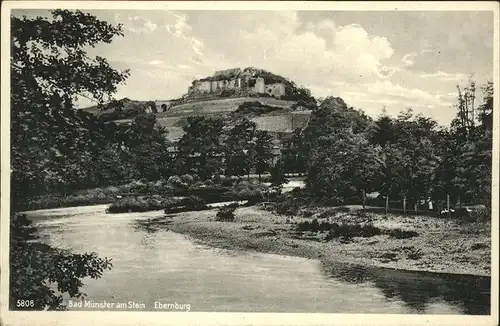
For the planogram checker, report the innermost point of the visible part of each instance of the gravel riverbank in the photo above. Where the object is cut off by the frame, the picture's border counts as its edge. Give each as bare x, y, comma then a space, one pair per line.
442, 245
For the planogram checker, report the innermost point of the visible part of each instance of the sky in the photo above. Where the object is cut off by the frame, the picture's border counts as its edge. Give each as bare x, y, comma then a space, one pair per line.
374, 60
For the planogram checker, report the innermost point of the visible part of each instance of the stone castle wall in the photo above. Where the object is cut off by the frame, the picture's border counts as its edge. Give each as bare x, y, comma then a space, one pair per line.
275, 90
235, 79
259, 85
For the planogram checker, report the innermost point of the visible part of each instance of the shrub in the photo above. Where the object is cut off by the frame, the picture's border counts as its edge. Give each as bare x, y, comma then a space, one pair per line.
245, 190
401, 234
176, 182
191, 203
480, 214
343, 230
111, 190
138, 186
478, 246
136, 204
225, 214
96, 193
226, 181
205, 183
313, 225
187, 179
352, 230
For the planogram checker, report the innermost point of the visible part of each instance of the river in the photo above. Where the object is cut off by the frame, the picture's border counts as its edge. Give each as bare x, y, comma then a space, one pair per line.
157, 265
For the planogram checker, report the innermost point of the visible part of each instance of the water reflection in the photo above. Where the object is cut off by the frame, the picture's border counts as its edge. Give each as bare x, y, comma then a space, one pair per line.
418, 290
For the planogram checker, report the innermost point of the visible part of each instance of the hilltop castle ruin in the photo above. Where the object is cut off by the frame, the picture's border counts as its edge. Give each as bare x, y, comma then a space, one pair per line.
237, 81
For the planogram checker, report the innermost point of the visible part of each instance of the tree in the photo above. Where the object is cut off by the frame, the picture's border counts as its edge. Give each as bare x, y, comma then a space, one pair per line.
147, 148
294, 157
239, 147
263, 151
382, 132
342, 166
485, 110
473, 142
411, 157
278, 177
466, 118
300, 156
35, 267
202, 142
341, 161
53, 145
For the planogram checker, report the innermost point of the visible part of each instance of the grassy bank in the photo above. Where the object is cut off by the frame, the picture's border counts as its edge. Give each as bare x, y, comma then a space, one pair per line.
435, 245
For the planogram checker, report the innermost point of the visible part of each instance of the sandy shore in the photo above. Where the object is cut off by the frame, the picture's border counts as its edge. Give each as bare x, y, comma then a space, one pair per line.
442, 245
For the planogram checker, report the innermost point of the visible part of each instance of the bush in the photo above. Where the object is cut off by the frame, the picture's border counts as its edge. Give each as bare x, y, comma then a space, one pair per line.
287, 207
191, 203
138, 187
111, 190
313, 225
175, 182
136, 204
133, 186
226, 181
206, 183
481, 216
401, 234
187, 179
225, 214
343, 230
245, 190
353, 230
169, 201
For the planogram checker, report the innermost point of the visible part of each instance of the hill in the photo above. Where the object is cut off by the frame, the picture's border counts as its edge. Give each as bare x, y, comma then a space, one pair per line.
122, 109
273, 102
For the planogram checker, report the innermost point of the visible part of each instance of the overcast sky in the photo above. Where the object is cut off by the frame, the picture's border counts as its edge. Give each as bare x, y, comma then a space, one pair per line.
370, 59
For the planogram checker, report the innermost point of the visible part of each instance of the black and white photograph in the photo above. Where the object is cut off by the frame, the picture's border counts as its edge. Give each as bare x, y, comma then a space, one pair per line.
177, 160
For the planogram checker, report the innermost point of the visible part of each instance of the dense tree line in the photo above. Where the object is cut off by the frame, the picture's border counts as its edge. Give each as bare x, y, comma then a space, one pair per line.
214, 146
409, 156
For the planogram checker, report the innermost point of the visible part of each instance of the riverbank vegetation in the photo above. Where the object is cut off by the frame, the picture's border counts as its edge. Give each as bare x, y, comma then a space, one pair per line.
175, 199
226, 214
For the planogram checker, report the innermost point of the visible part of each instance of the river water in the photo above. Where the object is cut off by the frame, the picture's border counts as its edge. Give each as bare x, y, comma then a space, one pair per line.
156, 265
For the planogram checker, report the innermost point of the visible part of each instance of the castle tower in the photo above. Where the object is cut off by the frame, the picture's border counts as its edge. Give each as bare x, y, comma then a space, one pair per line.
259, 85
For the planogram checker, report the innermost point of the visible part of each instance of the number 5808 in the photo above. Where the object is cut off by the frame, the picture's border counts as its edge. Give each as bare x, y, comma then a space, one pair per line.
25, 303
